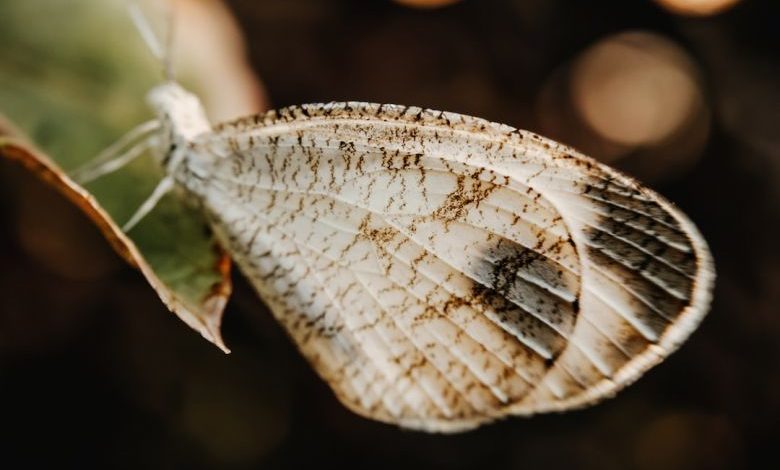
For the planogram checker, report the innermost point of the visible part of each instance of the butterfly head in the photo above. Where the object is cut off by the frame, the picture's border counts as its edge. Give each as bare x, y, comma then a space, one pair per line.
181, 115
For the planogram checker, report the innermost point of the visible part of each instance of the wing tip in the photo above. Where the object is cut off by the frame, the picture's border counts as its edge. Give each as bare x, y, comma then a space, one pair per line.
675, 335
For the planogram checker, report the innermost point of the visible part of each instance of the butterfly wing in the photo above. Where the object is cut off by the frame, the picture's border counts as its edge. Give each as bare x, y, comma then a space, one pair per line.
440, 271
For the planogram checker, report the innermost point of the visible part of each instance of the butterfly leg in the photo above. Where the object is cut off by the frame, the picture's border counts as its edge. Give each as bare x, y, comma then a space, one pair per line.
118, 154
163, 187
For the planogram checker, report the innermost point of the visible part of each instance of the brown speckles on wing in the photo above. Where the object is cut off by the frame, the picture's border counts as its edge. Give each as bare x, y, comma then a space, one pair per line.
440, 271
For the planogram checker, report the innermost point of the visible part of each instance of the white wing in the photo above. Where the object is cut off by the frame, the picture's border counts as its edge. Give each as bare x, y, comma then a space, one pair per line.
440, 271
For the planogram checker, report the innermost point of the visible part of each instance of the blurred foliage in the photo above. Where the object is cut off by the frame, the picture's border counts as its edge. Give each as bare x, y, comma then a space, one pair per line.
73, 77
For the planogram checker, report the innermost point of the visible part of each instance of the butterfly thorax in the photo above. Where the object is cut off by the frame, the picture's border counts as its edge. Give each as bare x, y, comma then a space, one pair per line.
181, 116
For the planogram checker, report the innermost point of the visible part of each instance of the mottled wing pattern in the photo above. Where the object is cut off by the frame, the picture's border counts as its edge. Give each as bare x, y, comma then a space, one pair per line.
440, 271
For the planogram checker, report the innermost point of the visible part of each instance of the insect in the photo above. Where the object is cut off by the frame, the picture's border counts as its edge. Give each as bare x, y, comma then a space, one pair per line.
438, 271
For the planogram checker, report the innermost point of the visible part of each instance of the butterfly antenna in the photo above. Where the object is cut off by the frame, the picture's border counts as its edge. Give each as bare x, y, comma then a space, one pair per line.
169, 35
144, 27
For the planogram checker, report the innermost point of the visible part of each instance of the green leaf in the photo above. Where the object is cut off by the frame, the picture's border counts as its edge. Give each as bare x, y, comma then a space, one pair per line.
74, 80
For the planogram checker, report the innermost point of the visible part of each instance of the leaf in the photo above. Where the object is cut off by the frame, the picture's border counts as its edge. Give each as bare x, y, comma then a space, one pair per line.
75, 99
189, 272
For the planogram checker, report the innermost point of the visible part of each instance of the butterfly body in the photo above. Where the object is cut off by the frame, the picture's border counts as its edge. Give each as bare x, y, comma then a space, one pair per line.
438, 270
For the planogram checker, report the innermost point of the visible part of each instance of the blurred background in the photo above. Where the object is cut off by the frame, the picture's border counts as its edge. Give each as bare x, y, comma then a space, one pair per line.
683, 94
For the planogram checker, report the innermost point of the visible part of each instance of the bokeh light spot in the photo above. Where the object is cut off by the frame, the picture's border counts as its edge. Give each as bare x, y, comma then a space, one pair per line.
427, 4
697, 7
634, 88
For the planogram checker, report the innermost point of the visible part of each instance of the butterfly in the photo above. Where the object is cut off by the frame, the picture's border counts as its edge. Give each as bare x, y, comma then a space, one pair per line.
438, 271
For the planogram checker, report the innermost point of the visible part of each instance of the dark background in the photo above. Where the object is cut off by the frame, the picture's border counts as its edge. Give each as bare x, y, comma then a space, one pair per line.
95, 371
